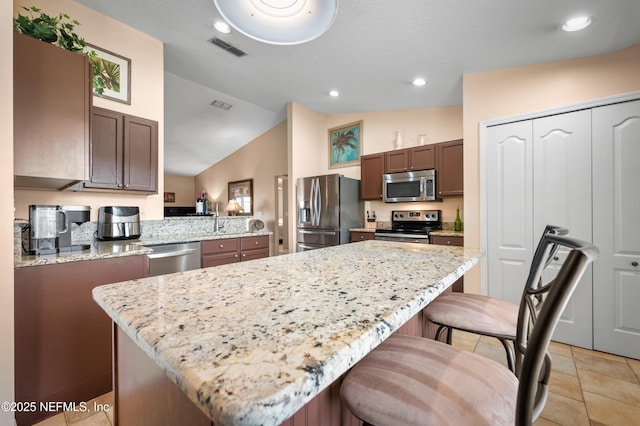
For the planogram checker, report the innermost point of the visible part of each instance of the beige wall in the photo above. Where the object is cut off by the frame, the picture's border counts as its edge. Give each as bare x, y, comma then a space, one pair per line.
147, 100
6, 211
261, 160
515, 91
185, 189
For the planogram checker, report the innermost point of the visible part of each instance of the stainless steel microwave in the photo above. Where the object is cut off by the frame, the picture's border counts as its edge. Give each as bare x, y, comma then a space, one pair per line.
410, 186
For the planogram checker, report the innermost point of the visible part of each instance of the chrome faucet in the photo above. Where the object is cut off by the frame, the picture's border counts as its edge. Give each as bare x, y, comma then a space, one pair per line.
216, 221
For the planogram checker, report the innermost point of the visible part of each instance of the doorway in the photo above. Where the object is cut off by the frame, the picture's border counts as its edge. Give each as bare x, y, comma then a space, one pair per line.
281, 228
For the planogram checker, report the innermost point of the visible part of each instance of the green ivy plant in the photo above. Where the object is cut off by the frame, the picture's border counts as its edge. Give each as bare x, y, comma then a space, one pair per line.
58, 30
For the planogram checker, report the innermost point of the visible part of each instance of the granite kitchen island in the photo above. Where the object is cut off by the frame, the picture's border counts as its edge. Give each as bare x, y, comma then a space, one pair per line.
252, 343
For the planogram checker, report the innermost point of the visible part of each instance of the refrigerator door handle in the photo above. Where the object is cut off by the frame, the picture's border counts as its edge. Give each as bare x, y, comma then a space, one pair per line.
316, 232
318, 202
312, 201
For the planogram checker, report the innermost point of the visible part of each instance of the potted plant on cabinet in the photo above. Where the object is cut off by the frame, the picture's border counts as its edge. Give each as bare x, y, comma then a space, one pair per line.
58, 30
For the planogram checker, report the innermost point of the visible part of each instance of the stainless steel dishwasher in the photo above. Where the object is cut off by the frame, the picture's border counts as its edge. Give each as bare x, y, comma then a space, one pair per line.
175, 257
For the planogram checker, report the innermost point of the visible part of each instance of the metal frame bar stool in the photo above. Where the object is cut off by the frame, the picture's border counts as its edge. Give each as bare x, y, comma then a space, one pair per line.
485, 315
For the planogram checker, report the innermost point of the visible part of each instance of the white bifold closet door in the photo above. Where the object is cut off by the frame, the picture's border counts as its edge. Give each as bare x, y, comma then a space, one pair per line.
539, 173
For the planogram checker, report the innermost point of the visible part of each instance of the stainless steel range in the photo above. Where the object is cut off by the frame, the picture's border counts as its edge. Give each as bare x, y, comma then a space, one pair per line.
411, 226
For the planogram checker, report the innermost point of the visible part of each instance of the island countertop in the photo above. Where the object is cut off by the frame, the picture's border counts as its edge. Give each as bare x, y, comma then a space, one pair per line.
252, 342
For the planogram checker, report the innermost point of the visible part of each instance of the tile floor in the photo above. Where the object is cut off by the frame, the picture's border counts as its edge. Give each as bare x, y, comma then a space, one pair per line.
586, 388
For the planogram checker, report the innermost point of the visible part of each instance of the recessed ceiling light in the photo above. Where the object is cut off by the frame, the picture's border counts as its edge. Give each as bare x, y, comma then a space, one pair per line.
577, 23
419, 82
334, 93
222, 26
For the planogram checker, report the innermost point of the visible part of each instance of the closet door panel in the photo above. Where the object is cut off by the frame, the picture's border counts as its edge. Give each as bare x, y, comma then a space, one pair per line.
616, 231
562, 196
509, 233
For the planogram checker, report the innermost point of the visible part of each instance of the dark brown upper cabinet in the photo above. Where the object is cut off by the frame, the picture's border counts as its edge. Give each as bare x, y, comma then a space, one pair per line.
410, 159
371, 171
52, 98
450, 168
124, 152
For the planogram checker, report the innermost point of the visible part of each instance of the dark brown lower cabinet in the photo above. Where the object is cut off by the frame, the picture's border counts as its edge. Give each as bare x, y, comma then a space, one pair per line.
458, 286
62, 337
361, 236
231, 250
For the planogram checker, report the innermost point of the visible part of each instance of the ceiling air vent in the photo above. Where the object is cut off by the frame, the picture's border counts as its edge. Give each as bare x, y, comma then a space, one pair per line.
226, 46
220, 104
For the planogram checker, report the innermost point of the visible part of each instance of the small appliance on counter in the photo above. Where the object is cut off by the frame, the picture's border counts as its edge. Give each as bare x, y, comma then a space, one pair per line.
255, 225
118, 223
49, 228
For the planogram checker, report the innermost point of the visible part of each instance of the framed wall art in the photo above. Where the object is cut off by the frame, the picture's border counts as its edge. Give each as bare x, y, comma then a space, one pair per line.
242, 192
115, 70
169, 197
345, 145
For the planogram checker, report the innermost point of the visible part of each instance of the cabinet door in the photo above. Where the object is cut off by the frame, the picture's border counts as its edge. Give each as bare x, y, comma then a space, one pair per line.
361, 236
140, 154
253, 243
458, 286
51, 105
371, 171
63, 338
225, 245
396, 161
616, 230
422, 158
450, 168
447, 241
254, 254
219, 259
106, 150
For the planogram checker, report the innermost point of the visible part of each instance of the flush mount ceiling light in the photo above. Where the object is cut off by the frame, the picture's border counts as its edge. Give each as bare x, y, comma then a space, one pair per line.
334, 93
281, 22
577, 24
419, 82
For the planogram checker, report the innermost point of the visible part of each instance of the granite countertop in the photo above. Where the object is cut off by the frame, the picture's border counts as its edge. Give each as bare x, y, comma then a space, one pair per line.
441, 232
251, 343
108, 249
447, 233
362, 230
169, 238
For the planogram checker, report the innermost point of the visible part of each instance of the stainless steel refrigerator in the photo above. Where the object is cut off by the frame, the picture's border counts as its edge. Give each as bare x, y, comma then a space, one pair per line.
327, 207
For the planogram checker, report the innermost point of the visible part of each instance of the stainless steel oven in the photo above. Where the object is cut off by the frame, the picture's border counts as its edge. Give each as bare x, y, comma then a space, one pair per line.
410, 186
411, 226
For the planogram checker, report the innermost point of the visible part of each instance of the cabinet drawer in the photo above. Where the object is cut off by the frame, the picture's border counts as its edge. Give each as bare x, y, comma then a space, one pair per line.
252, 243
254, 254
447, 241
226, 245
361, 236
219, 259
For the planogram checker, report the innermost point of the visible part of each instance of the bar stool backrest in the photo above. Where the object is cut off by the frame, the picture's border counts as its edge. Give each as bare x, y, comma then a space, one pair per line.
541, 305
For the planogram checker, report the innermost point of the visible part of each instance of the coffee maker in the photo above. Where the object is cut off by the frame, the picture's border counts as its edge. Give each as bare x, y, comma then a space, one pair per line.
49, 228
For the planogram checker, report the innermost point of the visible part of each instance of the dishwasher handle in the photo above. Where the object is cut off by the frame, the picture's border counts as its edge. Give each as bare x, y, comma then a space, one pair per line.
170, 254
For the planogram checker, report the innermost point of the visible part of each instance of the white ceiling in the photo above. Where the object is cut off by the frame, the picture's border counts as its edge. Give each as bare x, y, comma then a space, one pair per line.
371, 54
